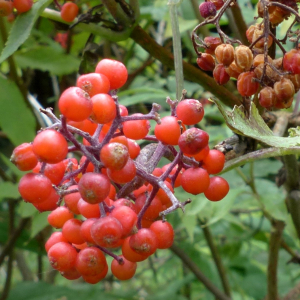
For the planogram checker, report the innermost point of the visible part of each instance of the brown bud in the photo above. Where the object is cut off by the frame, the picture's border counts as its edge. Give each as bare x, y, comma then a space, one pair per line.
276, 15
284, 90
206, 62
233, 70
225, 54
260, 43
243, 57
260, 59
267, 97
259, 71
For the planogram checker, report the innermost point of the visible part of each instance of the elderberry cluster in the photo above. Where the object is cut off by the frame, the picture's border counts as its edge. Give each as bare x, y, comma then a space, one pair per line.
105, 193
270, 82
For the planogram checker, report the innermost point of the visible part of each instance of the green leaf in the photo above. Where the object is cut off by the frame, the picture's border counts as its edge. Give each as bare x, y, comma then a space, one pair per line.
47, 59
22, 27
26, 209
39, 222
16, 120
8, 190
253, 126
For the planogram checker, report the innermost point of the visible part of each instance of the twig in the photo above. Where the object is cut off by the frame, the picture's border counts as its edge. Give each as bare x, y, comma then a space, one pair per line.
216, 257
200, 276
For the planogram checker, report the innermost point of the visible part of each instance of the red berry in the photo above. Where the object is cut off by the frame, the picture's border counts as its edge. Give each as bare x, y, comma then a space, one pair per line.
217, 190
190, 111
195, 180
104, 108
49, 204
71, 231
94, 187
58, 217
114, 70
94, 83
88, 210
164, 234
136, 129
75, 104
22, 5
55, 172
291, 61
124, 175
206, 62
168, 131
50, 146
23, 157
152, 211
207, 9
246, 84
114, 156
35, 188
62, 256
220, 74
214, 161
123, 271
6, 8
55, 238
69, 11
143, 242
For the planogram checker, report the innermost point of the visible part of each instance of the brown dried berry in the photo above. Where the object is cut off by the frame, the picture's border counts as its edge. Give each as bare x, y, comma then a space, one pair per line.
243, 57
277, 63
283, 104
284, 90
267, 97
233, 70
225, 54
295, 79
260, 59
220, 75
258, 32
271, 74
206, 62
217, 3
276, 15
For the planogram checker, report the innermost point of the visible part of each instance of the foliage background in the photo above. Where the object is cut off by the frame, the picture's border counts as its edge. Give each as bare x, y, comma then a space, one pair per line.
237, 224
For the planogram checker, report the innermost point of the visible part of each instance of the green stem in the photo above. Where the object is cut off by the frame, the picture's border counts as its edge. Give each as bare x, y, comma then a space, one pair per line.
259, 154
177, 51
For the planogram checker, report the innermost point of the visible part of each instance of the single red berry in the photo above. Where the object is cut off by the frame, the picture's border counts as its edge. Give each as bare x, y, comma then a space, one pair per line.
94, 187
104, 108
58, 217
214, 161
94, 83
217, 190
143, 242
88, 210
22, 6
291, 61
114, 156
50, 146
55, 238
6, 8
136, 129
195, 180
71, 231
190, 111
164, 234
206, 62
23, 157
123, 271
114, 70
246, 84
168, 131
49, 204
126, 174
69, 11
220, 74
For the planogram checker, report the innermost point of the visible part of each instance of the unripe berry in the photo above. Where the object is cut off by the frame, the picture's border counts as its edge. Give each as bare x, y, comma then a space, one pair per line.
207, 9
225, 54
243, 57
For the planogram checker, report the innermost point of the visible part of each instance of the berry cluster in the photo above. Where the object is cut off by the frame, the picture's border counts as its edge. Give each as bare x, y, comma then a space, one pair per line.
103, 191
7, 7
275, 81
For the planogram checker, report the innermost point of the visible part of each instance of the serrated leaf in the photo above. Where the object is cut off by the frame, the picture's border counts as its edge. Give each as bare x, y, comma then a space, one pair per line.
47, 59
8, 190
253, 126
21, 28
16, 120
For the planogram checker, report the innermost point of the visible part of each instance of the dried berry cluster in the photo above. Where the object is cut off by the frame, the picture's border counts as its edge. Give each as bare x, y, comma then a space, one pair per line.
103, 191
273, 81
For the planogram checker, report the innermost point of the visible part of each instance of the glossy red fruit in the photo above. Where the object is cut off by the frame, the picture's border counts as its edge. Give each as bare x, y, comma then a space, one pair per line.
104, 108
168, 131
143, 242
206, 62
23, 157
94, 187
126, 174
214, 161
35, 188
114, 156
69, 11
190, 111
193, 141
107, 231
152, 211
114, 70
62, 256
55, 172
22, 6
75, 104
94, 83
49, 204
50, 146
90, 261
55, 238
136, 129
195, 180
88, 210
71, 231
123, 271
6, 8
217, 190
58, 217
164, 234
131, 255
